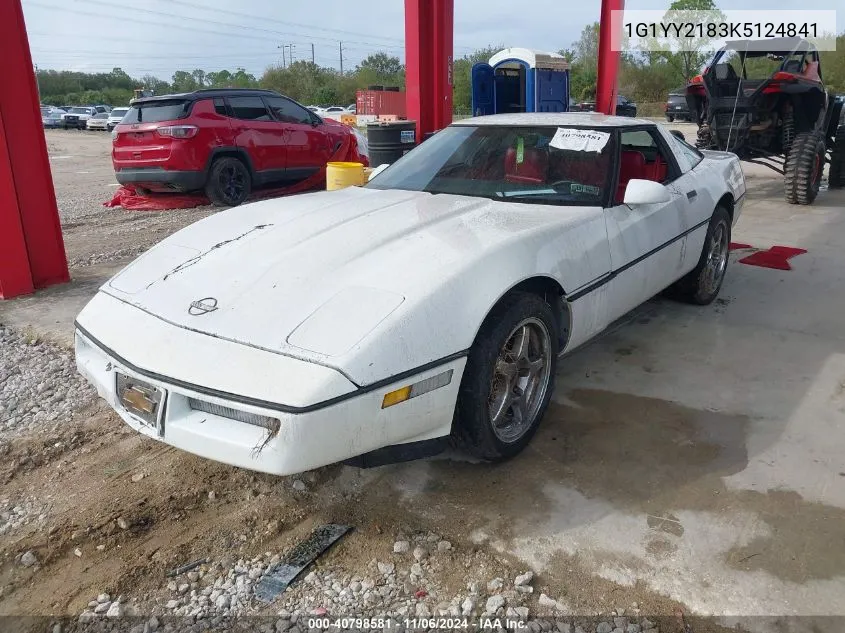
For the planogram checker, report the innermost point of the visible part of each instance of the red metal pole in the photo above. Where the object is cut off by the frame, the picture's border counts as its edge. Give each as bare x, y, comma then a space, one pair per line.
608, 71
429, 36
27, 199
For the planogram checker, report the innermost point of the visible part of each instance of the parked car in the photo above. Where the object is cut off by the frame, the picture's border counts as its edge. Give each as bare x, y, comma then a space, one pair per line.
103, 108
676, 106
52, 118
224, 141
99, 121
624, 107
116, 116
352, 108
433, 302
77, 117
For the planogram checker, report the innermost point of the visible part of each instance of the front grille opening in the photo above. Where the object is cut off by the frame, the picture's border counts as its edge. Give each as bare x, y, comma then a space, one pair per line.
271, 424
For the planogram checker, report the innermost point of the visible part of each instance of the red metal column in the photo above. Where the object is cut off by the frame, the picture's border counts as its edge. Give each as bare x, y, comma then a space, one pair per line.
608, 71
31, 255
429, 36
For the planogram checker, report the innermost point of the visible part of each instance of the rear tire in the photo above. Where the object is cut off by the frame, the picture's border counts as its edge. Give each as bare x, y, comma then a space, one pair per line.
229, 182
508, 379
803, 168
701, 286
836, 176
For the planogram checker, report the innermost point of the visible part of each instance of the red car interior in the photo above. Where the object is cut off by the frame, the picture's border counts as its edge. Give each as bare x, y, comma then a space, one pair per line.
533, 169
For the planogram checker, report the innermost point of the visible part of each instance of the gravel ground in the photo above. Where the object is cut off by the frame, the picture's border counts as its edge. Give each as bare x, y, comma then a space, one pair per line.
39, 383
403, 585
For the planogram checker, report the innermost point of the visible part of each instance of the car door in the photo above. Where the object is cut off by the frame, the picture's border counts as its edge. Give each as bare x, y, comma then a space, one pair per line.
308, 141
646, 240
256, 131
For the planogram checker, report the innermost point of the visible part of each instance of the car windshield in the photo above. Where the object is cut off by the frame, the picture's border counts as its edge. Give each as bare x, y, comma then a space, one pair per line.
80, 111
101, 115
538, 165
157, 111
119, 112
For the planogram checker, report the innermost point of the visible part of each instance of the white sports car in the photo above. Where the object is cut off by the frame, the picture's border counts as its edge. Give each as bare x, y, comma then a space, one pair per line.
376, 322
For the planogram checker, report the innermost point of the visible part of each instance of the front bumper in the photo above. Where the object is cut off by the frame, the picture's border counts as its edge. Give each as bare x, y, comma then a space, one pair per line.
310, 435
158, 178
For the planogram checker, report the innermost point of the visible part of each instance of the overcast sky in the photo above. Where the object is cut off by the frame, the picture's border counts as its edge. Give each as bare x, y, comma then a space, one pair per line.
161, 36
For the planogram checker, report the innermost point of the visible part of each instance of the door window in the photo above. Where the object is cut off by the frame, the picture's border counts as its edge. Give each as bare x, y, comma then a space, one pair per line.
287, 111
249, 109
643, 158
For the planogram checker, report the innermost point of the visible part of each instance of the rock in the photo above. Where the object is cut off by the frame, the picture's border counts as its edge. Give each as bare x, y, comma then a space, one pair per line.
86, 616
153, 624
92, 604
494, 603
534, 627
193, 576
122, 523
416, 569
103, 597
620, 623
115, 610
282, 625
467, 606
523, 579
137, 477
551, 603
299, 485
420, 552
77, 552
212, 495
421, 610
401, 547
101, 547
633, 628
646, 624
102, 607
444, 546
495, 585
563, 627
524, 589
521, 612
171, 585
386, 568
172, 604
28, 559
604, 627
222, 602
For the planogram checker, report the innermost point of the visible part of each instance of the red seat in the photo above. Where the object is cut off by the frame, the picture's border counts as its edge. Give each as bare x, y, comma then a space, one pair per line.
533, 168
631, 166
659, 170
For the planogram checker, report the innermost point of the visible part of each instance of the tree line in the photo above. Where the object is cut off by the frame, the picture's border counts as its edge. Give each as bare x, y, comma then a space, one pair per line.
644, 76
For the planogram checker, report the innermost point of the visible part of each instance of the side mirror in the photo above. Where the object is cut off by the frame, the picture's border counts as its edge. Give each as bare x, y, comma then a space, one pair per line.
645, 192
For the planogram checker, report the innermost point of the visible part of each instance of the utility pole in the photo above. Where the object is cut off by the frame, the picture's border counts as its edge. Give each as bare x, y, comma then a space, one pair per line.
340, 48
292, 49
284, 64
312, 52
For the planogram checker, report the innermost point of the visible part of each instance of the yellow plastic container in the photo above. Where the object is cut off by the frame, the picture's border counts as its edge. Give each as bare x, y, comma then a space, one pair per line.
342, 174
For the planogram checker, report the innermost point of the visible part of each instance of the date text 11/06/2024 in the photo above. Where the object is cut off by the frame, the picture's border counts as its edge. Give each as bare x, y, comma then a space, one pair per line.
443, 624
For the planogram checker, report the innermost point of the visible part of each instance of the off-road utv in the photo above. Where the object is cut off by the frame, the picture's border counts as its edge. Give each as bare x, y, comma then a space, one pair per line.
766, 101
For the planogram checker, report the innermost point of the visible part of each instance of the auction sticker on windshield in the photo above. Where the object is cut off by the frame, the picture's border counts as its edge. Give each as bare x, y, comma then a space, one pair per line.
579, 140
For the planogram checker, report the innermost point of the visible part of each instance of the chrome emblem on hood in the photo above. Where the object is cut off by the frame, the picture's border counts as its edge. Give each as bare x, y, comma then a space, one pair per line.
202, 306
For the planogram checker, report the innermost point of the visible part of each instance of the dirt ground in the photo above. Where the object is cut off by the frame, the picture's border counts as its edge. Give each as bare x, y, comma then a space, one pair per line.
670, 471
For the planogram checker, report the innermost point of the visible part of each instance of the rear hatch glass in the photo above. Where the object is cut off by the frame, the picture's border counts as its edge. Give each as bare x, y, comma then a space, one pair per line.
157, 111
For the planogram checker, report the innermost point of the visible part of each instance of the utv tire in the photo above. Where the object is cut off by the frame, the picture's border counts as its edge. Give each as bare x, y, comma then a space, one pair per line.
701, 285
836, 176
229, 182
670, 118
508, 378
803, 168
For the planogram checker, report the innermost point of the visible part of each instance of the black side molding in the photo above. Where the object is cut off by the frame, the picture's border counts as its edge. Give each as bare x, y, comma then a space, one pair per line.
400, 453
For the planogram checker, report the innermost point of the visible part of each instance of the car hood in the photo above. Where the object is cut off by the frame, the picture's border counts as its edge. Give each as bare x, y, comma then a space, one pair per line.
309, 276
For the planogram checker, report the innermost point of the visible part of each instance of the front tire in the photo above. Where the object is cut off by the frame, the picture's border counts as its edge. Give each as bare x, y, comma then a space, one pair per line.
508, 379
803, 168
229, 182
701, 286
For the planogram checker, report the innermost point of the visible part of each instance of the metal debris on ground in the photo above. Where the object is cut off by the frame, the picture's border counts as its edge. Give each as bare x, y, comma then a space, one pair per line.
300, 557
186, 567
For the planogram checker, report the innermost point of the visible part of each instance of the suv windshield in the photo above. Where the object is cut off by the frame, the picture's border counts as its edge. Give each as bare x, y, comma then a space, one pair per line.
118, 112
157, 111
80, 110
538, 165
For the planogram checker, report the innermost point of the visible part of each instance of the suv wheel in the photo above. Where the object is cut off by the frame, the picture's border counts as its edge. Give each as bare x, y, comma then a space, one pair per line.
803, 168
836, 178
228, 182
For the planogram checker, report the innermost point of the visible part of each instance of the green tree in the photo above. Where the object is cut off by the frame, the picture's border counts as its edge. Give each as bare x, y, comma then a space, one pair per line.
183, 81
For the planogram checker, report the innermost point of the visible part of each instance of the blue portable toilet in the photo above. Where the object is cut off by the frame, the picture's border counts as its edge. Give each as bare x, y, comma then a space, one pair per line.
520, 80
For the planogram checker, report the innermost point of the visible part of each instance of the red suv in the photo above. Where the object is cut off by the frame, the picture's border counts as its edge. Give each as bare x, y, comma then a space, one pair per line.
222, 141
